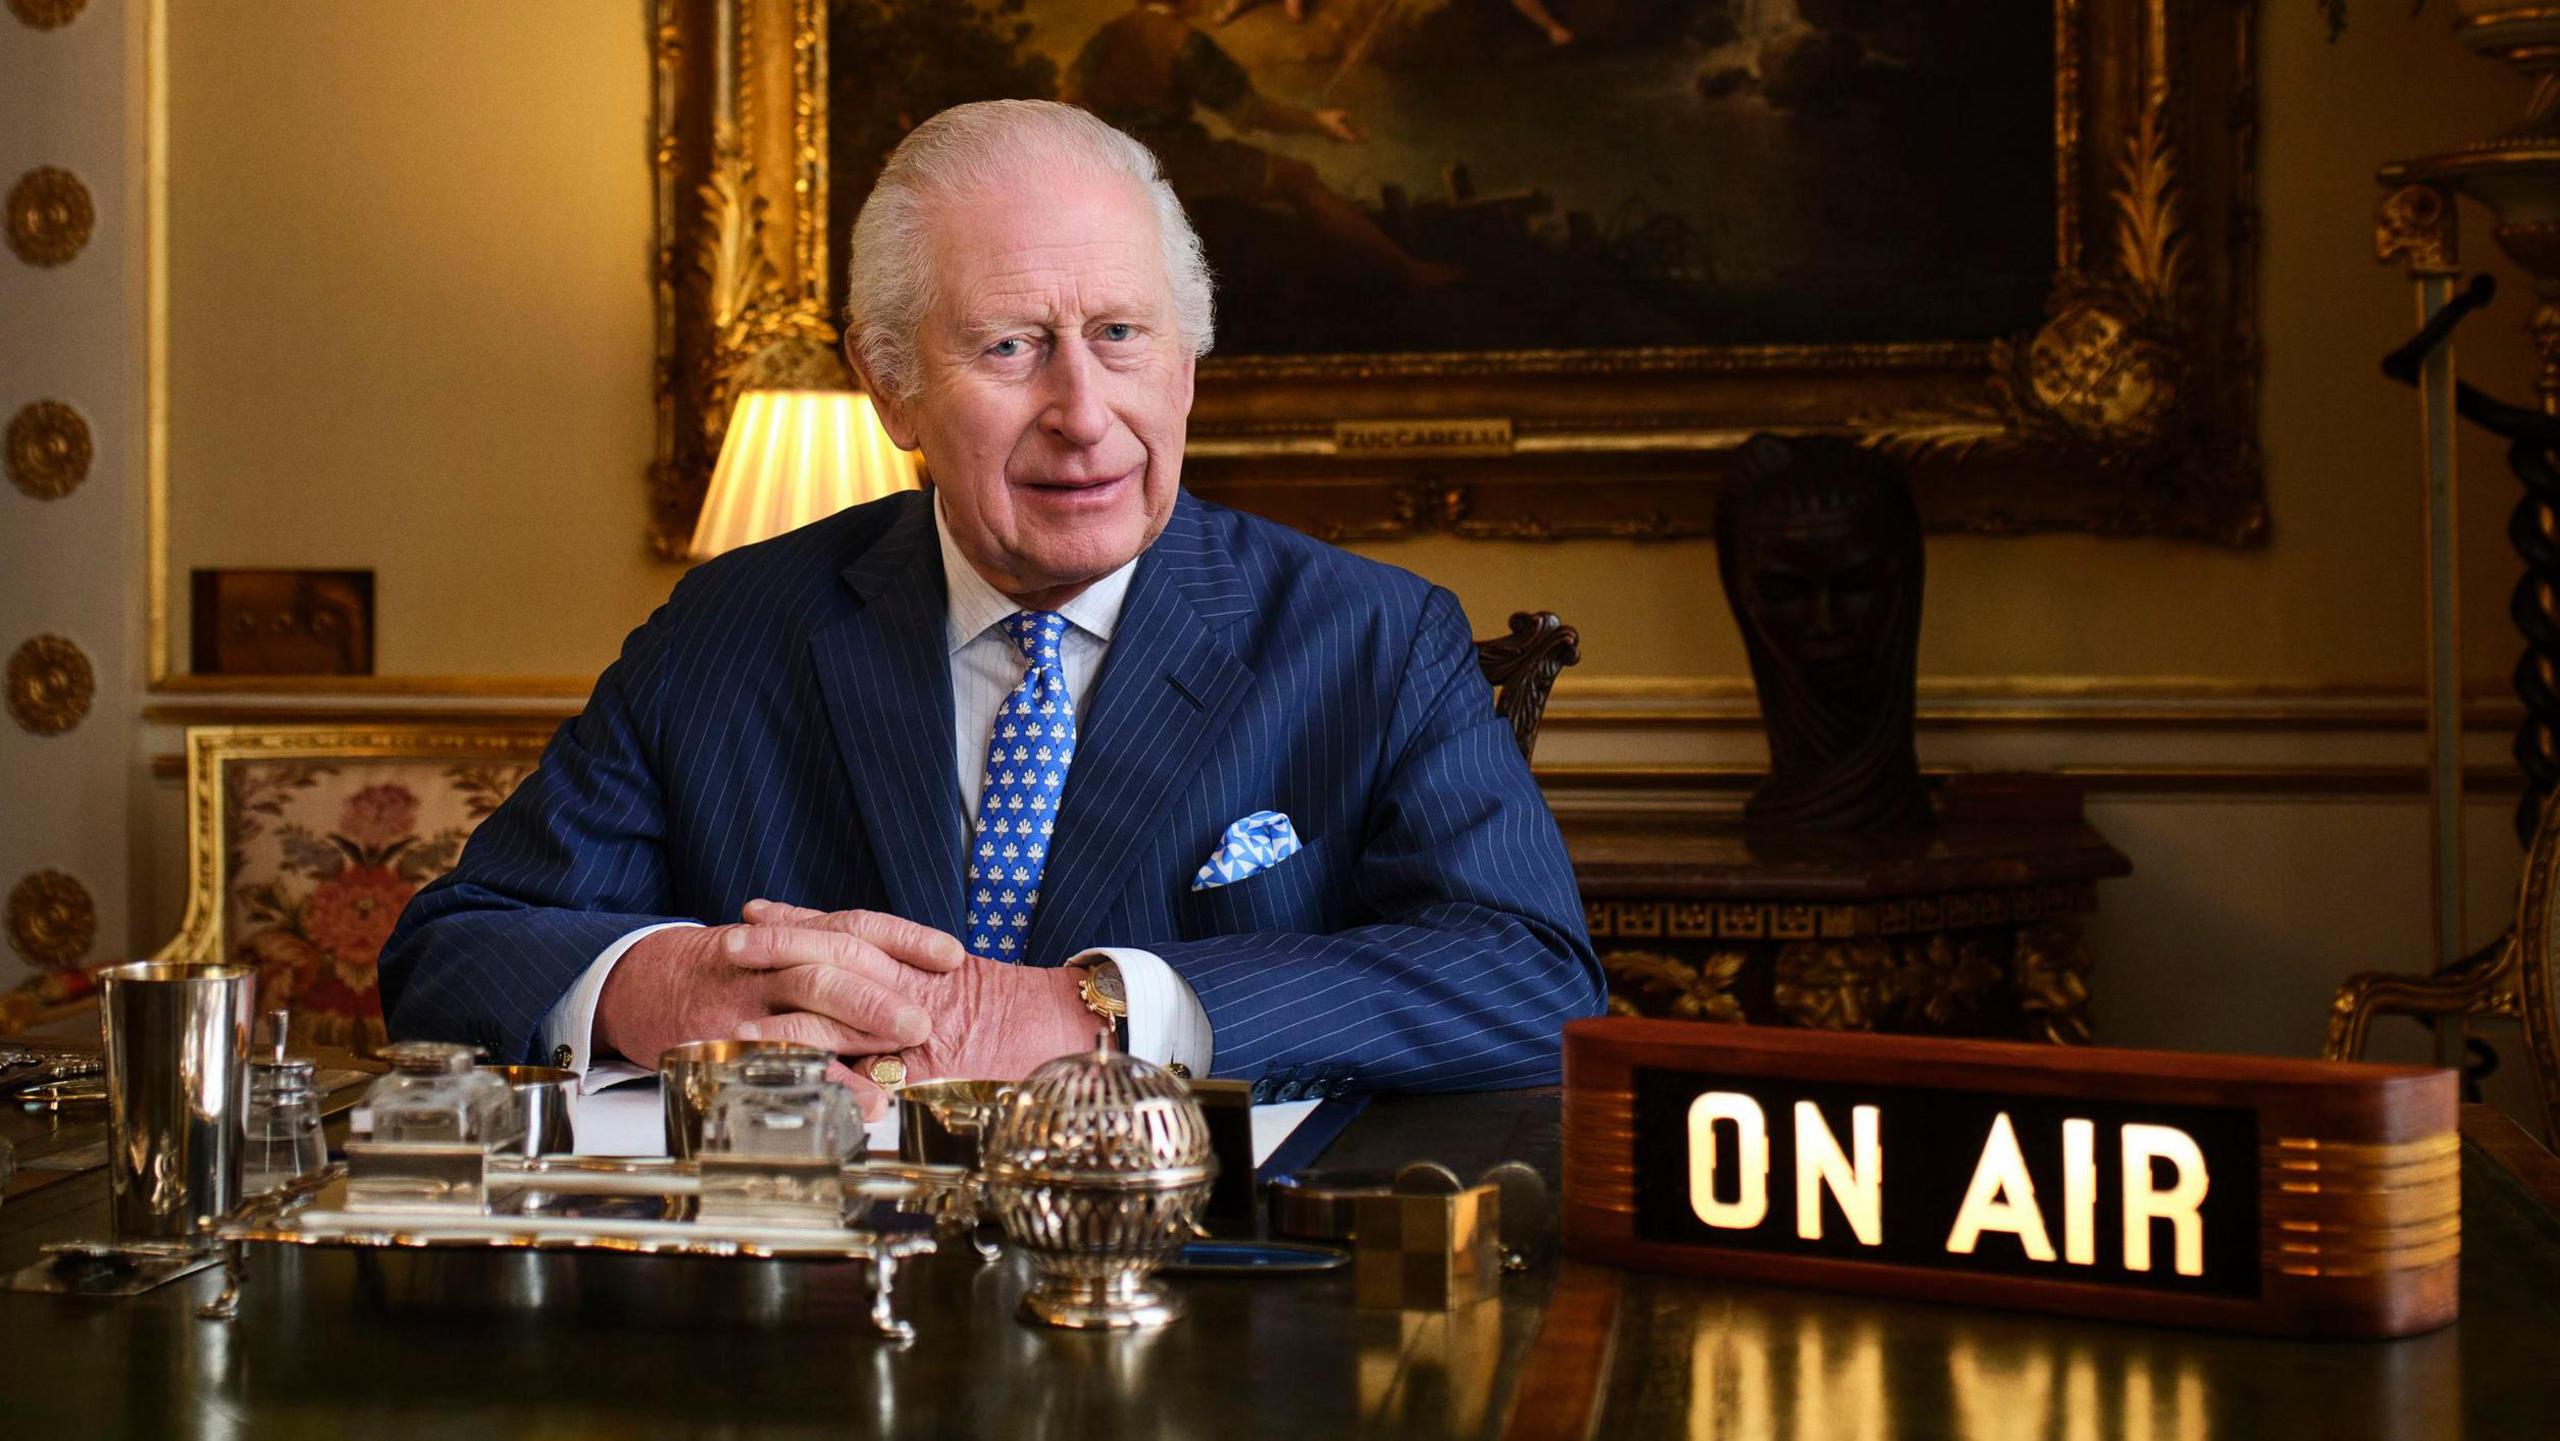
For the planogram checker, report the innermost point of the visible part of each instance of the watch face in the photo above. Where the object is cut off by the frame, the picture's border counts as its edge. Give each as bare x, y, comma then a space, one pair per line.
1106, 983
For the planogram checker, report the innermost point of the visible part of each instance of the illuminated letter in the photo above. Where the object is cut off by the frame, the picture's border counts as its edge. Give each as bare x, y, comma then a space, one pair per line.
1751, 1158
1819, 1163
2001, 1198
2177, 1205
2079, 1193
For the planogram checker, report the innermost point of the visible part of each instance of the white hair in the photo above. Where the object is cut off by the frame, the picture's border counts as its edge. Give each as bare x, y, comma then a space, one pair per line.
889, 284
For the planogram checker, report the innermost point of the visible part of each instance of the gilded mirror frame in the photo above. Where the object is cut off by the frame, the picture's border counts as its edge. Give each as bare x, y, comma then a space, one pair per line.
2130, 410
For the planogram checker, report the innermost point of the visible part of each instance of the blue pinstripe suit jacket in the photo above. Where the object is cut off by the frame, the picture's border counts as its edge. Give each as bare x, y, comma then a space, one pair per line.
781, 727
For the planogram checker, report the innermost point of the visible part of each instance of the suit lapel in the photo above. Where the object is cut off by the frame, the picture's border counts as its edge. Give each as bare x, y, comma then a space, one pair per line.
886, 675
1171, 679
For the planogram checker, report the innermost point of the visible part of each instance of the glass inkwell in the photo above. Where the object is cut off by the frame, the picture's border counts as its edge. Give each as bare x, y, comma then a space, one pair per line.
776, 1140
284, 1138
435, 1121
435, 1093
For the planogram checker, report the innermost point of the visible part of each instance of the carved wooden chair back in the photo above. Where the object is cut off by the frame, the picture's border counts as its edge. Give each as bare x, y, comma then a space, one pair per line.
2512, 978
304, 842
1523, 666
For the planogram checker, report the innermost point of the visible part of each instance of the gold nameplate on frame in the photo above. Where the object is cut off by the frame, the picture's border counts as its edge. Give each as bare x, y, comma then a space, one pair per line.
2312, 1198
1406, 439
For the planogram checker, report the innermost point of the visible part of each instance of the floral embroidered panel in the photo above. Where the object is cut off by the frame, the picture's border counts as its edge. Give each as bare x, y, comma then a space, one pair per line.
321, 856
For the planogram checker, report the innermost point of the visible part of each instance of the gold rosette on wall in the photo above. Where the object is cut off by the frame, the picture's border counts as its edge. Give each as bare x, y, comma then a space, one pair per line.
50, 216
47, 14
50, 685
49, 449
52, 921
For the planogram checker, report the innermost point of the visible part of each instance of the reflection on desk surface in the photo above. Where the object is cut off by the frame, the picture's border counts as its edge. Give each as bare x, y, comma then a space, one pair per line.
1700, 1359
486, 1346
1761, 1365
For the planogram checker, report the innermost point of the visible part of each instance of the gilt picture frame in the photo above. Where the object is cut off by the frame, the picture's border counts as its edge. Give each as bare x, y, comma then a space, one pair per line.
2121, 400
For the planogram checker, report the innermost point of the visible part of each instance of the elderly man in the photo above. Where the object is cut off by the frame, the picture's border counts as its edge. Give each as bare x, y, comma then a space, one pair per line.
972, 772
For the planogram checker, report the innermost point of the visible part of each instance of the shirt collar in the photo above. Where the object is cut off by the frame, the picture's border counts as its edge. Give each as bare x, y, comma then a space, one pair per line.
976, 605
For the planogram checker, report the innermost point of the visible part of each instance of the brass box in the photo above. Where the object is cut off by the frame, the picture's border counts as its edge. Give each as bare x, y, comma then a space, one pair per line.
1427, 1252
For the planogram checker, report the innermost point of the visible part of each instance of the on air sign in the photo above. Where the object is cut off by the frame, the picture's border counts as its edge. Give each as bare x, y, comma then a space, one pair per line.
2307, 1197
1918, 1175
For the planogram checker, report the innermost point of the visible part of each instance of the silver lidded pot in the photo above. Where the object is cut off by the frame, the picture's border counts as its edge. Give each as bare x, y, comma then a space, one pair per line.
1097, 1166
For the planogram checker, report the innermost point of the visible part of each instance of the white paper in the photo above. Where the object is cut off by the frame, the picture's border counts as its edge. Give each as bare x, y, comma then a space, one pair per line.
1273, 1123
627, 1121
620, 1121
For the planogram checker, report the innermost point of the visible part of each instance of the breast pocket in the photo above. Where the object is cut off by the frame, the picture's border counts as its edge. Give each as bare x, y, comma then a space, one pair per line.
1290, 896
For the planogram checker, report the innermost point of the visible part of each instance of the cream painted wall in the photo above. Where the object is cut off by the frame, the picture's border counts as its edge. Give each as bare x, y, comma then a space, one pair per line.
2244, 912
410, 329
410, 322
71, 333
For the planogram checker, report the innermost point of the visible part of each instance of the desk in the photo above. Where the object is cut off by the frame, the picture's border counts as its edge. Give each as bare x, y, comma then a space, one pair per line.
331, 1344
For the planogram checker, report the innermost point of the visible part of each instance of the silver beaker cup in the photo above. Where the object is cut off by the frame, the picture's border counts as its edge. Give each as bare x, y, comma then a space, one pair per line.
689, 1078
543, 1095
177, 1052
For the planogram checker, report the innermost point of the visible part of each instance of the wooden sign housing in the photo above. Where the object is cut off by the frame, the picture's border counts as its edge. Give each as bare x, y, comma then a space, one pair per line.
2312, 1198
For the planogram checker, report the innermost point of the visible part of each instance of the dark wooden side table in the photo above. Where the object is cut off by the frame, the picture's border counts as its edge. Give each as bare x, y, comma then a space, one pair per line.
1970, 929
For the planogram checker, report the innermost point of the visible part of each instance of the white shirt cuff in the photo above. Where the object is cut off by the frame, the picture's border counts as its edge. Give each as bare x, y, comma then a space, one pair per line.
1166, 1021
568, 1033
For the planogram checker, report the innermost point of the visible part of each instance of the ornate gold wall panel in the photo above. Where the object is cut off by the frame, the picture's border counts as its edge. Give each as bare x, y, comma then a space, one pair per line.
47, 14
50, 216
49, 449
50, 685
52, 921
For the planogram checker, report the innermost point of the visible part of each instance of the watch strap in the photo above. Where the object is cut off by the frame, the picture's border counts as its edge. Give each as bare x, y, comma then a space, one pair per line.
1104, 995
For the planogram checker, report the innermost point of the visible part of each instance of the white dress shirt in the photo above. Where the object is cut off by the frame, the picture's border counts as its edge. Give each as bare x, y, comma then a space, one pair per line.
1166, 1021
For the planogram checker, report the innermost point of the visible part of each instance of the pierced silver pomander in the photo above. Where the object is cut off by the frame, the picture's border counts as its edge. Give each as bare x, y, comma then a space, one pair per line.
1098, 1165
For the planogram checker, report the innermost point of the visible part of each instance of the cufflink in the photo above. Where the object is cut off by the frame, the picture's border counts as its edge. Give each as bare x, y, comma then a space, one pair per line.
562, 1056
1179, 1069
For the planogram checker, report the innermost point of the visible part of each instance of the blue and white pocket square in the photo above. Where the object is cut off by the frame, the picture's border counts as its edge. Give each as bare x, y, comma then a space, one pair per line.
1251, 846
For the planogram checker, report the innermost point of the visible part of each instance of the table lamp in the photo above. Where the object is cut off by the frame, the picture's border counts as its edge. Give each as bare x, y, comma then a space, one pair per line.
794, 456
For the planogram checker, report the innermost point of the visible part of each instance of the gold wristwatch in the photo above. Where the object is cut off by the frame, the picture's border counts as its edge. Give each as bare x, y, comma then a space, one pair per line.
1105, 996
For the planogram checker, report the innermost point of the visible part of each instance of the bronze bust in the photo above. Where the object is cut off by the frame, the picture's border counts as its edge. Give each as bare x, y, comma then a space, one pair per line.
1819, 544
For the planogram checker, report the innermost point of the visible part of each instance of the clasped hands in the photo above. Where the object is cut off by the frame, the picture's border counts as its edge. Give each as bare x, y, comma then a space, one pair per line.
850, 983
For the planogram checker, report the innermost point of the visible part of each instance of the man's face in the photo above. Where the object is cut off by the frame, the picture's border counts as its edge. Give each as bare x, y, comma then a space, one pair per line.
1055, 382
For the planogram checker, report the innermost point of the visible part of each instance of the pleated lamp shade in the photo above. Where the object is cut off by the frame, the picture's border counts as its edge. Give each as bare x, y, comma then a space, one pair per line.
794, 456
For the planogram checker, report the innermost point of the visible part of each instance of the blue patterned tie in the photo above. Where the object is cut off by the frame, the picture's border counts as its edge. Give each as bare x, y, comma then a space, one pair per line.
1035, 737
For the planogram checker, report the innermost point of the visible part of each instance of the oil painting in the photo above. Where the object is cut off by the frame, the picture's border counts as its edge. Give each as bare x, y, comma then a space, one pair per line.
1376, 176
1536, 268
